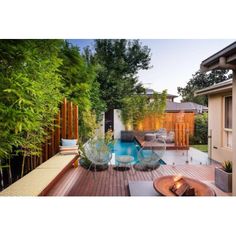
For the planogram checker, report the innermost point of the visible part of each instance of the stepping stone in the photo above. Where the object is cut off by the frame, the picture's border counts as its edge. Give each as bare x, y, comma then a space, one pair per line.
142, 188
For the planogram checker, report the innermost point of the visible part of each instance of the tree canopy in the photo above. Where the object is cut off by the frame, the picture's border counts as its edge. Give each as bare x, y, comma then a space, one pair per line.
199, 81
36, 74
80, 85
136, 107
120, 61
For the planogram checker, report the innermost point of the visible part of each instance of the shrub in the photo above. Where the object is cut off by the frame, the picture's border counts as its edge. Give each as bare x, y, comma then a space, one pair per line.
200, 129
227, 166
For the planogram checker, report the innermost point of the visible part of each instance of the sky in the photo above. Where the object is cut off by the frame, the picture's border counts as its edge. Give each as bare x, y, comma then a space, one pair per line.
173, 61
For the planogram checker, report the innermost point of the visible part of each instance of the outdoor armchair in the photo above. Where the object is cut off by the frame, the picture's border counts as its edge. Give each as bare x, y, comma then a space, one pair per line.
149, 156
98, 152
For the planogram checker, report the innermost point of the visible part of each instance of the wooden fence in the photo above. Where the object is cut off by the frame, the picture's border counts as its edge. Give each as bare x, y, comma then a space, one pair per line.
66, 124
181, 135
168, 121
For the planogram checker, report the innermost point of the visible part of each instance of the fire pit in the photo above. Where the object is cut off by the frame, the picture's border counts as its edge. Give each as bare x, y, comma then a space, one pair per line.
172, 185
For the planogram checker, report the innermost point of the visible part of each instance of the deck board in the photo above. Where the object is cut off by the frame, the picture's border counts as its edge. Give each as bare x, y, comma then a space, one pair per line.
80, 182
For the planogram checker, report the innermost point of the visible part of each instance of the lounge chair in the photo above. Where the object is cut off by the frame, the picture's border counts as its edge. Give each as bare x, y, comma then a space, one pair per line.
150, 156
98, 153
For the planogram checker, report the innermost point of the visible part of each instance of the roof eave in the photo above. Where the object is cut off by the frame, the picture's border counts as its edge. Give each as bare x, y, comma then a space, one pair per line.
213, 91
222, 64
225, 52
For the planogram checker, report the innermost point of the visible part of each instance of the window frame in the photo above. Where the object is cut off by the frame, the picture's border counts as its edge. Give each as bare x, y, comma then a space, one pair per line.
226, 130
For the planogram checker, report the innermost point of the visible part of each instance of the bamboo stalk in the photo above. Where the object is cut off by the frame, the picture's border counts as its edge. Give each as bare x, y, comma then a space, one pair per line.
1, 173
23, 165
10, 174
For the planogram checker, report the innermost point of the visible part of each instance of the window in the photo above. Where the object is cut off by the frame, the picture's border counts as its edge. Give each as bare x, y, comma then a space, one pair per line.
228, 113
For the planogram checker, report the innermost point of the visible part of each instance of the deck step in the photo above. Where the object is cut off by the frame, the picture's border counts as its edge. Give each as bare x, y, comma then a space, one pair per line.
142, 188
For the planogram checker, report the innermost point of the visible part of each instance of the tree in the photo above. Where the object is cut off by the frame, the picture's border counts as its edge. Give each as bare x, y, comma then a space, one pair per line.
136, 107
80, 86
200, 129
120, 61
200, 81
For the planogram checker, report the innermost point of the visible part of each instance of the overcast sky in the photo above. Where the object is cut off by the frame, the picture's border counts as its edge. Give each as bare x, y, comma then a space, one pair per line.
173, 60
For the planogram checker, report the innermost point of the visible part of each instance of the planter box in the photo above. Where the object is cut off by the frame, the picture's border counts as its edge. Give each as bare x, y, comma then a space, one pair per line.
223, 180
127, 136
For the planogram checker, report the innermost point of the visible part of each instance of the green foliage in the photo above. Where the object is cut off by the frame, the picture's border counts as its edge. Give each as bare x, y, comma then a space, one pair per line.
109, 137
157, 104
200, 81
200, 129
120, 60
29, 93
201, 147
136, 107
80, 85
227, 166
88, 125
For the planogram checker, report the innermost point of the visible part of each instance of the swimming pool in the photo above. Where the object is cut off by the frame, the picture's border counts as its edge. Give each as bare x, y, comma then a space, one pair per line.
127, 148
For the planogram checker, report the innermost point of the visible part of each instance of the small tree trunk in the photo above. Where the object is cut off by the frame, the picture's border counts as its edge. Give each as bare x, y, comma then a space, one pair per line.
23, 165
9, 172
1, 174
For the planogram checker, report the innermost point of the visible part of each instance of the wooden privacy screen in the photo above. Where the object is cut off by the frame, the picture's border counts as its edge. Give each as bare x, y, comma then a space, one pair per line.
181, 135
66, 126
168, 121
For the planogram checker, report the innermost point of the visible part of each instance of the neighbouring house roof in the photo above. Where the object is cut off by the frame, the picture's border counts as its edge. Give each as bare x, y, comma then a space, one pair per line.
224, 86
185, 107
150, 92
224, 59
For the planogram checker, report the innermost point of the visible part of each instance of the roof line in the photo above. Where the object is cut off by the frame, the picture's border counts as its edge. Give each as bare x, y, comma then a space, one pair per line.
219, 53
215, 88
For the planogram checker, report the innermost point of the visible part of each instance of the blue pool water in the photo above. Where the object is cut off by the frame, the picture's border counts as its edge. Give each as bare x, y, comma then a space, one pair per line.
128, 148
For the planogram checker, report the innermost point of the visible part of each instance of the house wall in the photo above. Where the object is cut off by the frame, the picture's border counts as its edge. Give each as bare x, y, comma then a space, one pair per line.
234, 134
118, 124
215, 127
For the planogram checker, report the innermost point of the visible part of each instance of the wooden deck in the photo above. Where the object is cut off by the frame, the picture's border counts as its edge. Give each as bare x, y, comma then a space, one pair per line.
80, 182
169, 146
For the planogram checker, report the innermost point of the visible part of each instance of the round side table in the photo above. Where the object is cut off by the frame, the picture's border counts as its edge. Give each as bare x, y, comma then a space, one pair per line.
124, 161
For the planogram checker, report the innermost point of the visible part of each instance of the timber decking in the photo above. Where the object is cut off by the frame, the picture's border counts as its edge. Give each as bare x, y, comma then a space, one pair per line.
169, 146
80, 182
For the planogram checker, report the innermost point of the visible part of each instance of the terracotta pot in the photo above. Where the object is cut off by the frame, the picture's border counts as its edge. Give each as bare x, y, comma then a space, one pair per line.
223, 180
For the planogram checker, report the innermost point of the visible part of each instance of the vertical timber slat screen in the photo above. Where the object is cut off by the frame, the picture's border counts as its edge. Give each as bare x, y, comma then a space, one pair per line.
182, 135
70, 121
66, 126
57, 132
181, 123
168, 122
76, 122
63, 118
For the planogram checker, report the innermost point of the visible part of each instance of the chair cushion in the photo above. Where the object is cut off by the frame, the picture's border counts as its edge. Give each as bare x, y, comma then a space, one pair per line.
69, 149
68, 142
170, 137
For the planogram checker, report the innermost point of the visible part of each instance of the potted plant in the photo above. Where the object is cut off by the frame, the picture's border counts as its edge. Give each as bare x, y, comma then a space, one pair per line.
223, 176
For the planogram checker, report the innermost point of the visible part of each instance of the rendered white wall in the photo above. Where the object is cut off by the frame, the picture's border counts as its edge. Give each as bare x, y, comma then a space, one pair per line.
101, 128
234, 133
215, 124
118, 124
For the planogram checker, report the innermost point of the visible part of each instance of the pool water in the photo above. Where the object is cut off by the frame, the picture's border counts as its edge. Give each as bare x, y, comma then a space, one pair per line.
120, 148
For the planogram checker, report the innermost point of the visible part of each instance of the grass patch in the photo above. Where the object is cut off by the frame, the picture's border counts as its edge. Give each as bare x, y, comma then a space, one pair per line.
203, 148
